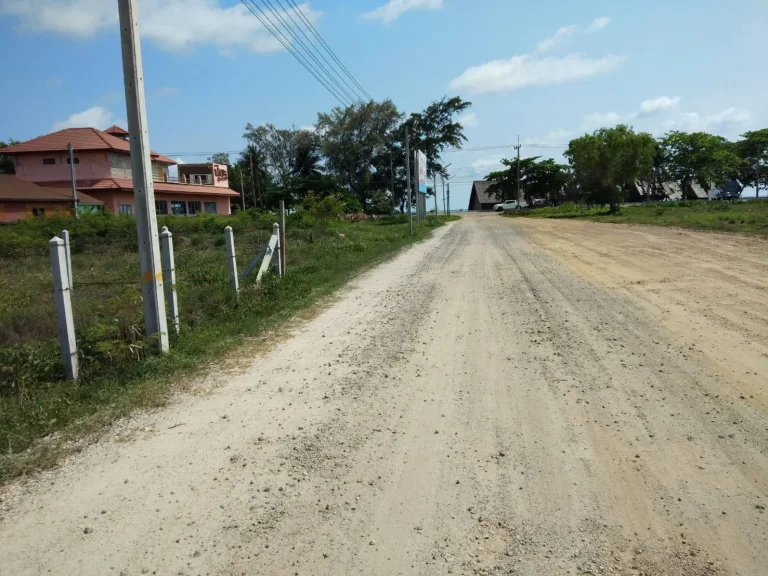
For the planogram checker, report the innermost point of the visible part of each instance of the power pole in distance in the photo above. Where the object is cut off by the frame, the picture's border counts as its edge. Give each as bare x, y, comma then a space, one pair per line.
242, 188
434, 189
449, 198
519, 198
443, 181
408, 188
253, 180
71, 151
155, 322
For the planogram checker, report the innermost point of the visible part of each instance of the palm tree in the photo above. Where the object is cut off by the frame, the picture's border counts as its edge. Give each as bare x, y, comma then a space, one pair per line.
307, 162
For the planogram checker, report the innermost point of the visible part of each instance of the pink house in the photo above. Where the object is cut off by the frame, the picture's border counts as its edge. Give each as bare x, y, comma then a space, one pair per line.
103, 171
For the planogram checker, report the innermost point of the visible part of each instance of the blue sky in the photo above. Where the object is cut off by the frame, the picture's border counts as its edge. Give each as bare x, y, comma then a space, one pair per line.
548, 71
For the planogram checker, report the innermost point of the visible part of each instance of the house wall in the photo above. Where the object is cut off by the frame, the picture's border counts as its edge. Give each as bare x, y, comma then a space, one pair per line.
114, 198
221, 175
14, 211
92, 166
120, 165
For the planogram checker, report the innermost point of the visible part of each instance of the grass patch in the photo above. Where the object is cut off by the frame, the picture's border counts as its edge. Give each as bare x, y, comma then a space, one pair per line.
745, 217
120, 370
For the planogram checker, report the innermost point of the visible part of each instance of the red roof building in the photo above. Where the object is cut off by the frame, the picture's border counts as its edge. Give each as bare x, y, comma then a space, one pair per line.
103, 170
20, 199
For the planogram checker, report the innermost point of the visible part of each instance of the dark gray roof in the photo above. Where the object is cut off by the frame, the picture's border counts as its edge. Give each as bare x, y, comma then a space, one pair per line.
481, 187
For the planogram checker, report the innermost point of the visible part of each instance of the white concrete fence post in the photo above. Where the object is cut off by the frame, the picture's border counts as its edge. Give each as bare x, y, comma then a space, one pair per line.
169, 276
65, 237
229, 240
276, 233
63, 300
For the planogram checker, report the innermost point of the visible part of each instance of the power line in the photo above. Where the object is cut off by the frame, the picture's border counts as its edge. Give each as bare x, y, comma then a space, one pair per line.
328, 48
307, 50
300, 26
258, 13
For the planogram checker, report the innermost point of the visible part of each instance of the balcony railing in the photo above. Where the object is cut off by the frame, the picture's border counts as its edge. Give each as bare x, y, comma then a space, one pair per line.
184, 180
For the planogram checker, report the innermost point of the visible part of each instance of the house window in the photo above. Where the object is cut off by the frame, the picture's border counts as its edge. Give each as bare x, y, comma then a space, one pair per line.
178, 207
201, 178
77, 160
49, 160
88, 208
194, 208
161, 207
38, 212
210, 207
125, 209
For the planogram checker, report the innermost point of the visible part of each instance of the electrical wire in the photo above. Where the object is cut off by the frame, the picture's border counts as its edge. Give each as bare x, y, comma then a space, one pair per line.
328, 49
349, 89
258, 13
307, 50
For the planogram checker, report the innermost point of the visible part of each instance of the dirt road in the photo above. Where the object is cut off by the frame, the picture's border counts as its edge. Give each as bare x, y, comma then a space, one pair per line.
509, 397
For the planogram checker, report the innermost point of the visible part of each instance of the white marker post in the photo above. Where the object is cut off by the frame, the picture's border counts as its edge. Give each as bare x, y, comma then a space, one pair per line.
229, 240
169, 277
62, 297
68, 252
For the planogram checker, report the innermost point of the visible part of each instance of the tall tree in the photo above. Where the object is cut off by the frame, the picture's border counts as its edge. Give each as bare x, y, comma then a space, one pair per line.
6, 162
701, 158
436, 129
608, 161
753, 150
353, 137
219, 158
538, 179
277, 148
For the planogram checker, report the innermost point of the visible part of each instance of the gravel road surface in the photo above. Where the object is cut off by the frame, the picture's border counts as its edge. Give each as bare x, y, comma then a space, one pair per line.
508, 397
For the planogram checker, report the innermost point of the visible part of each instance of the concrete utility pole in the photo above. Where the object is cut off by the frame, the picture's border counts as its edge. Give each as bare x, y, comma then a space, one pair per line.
253, 180
155, 322
408, 188
443, 181
434, 189
242, 187
449, 198
519, 197
71, 151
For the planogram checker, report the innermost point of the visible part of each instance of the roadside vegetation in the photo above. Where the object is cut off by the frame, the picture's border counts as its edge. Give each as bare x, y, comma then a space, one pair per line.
616, 165
120, 369
746, 217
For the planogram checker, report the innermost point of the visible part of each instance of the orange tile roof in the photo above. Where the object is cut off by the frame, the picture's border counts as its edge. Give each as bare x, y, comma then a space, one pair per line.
81, 139
116, 131
164, 187
14, 188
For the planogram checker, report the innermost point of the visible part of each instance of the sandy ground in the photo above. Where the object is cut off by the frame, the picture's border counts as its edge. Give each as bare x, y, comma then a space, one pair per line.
509, 397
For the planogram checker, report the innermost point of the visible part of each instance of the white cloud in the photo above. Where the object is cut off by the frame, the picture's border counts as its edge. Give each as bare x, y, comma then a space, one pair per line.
565, 33
553, 138
598, 24
601, 120
468, 120
658, 105
308, 127
487, 164
508, 75
726, 123
171, 24
95, 117
562, 34
393, 9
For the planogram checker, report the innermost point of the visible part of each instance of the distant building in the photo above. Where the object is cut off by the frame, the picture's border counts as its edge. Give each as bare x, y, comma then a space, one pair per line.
20, 199
480, 199
103, 171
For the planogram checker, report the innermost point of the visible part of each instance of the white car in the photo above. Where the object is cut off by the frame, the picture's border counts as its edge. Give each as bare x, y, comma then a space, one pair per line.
510, 205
